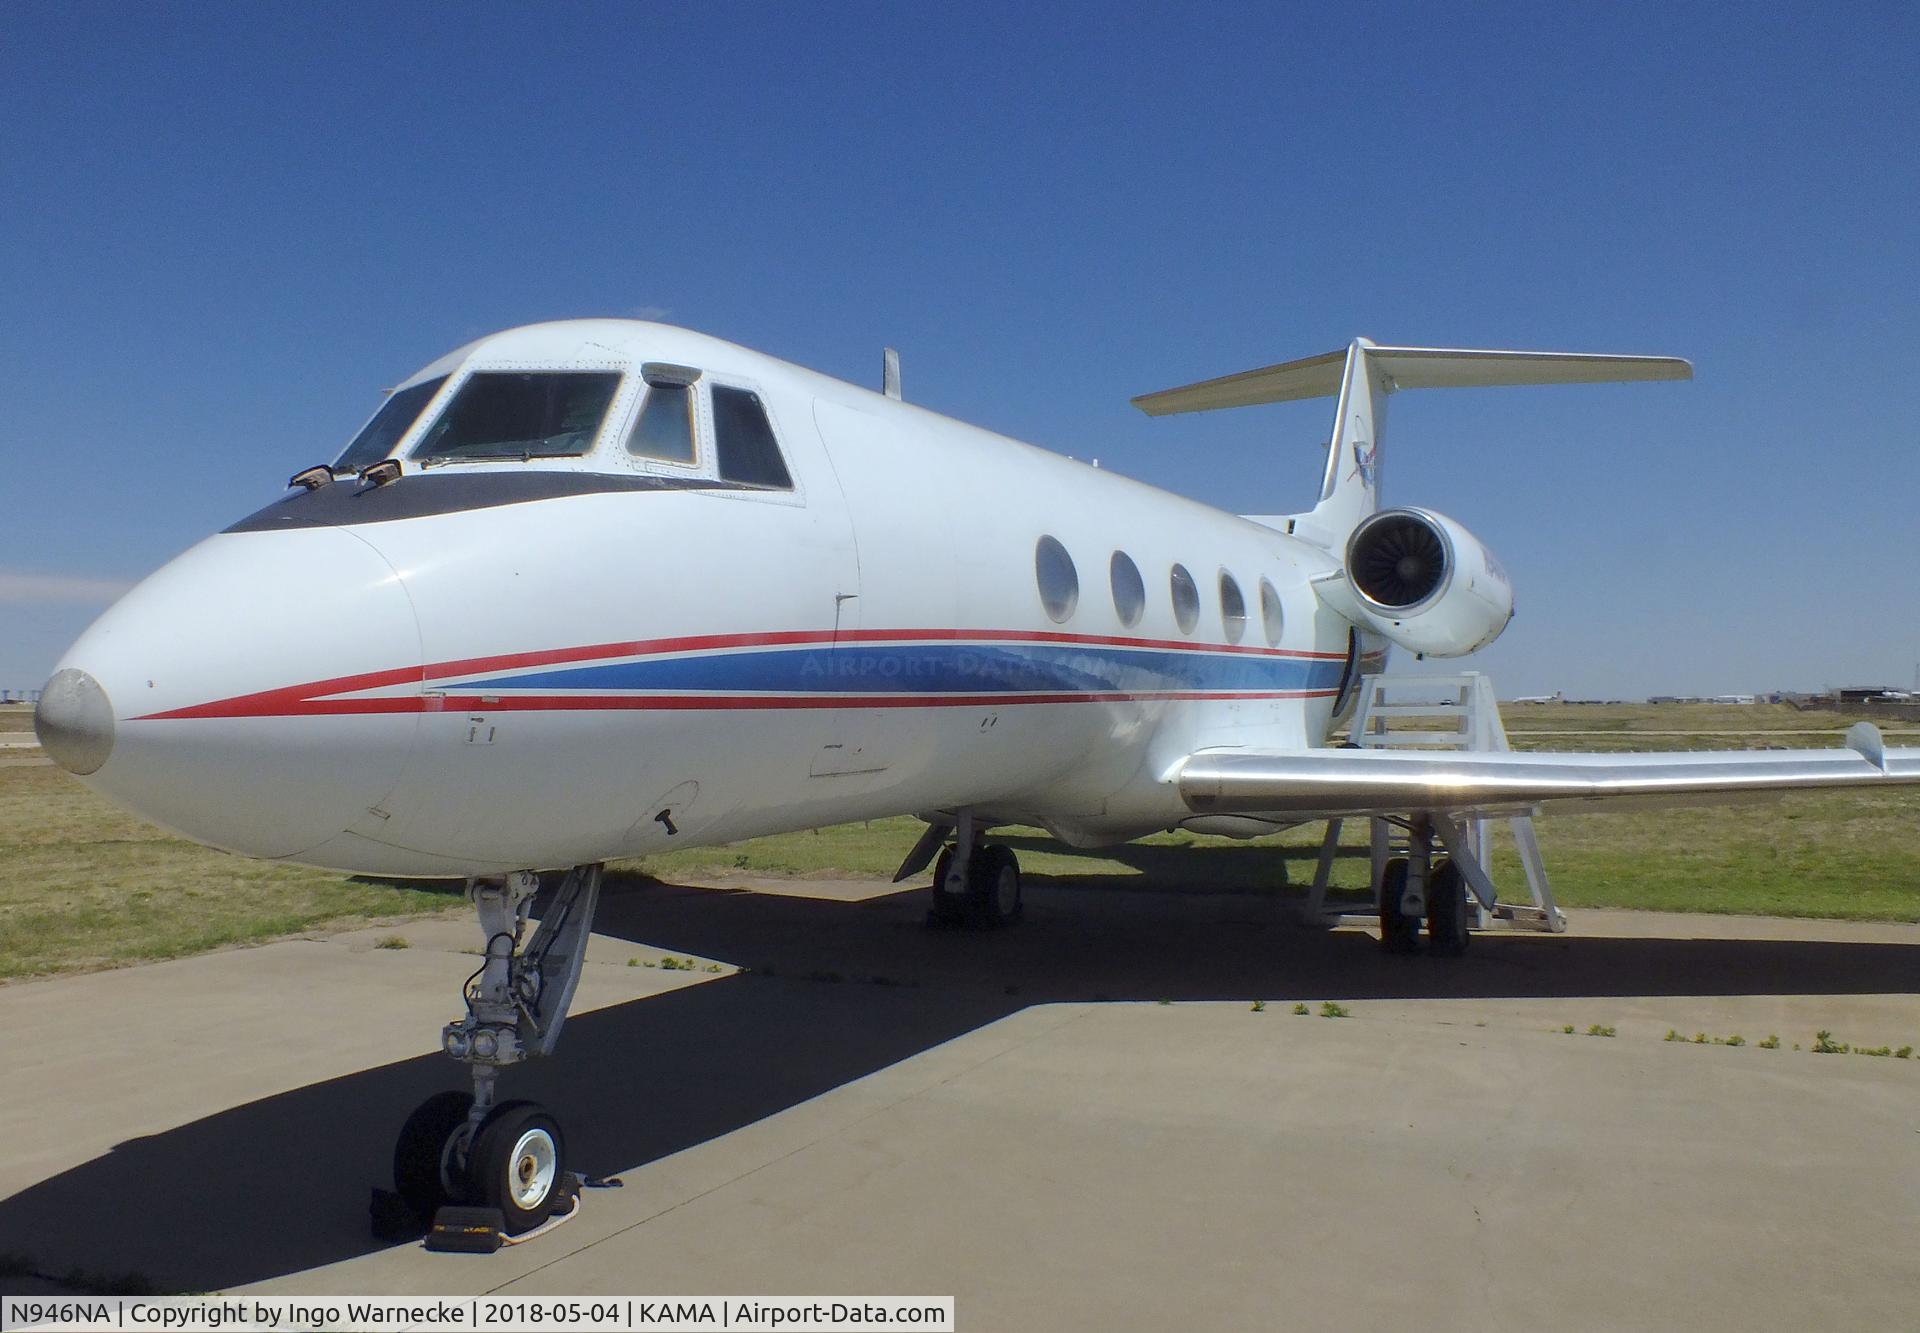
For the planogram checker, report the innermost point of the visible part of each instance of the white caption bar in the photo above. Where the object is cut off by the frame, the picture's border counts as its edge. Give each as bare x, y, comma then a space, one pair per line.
489, 1314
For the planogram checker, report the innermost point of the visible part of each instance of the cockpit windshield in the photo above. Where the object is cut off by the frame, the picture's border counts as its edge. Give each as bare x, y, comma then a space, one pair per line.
516, 414
395, 417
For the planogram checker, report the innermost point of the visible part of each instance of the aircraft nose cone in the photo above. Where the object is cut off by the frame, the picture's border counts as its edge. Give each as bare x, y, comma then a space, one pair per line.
231, 688
74, 721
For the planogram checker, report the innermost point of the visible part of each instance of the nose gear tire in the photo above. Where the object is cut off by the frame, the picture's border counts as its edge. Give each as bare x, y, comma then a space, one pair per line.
518, 1164
420, 1156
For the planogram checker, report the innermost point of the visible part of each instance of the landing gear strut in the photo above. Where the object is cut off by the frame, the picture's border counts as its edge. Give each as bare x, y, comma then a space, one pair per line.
467, 1148
975, 883
1416, 886
1399, 928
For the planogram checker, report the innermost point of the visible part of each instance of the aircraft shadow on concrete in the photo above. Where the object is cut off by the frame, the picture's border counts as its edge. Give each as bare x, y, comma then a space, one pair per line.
836, 990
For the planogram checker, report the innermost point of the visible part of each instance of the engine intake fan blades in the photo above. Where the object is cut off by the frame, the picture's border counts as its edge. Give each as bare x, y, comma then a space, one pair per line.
1398, 559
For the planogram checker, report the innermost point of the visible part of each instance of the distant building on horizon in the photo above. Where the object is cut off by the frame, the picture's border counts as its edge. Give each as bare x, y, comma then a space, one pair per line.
1868, 694
1890, 703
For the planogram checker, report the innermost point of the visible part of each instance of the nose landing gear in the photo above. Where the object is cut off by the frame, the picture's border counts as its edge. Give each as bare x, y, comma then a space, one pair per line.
467, 1149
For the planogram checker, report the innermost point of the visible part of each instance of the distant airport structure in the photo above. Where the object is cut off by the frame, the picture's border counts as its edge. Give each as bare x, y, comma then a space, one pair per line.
1870, 694
1884, 700
19, 696
1712, 698
1894, 702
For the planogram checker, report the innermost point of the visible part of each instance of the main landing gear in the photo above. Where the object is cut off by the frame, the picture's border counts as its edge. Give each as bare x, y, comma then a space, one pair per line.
975, 883
467, 1148
1415, 886
979, 886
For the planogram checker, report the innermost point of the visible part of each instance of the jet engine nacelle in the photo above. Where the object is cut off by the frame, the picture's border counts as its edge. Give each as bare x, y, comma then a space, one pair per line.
1426, 583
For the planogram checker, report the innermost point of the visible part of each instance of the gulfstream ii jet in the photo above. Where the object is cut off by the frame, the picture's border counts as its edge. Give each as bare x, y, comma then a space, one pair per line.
590, 589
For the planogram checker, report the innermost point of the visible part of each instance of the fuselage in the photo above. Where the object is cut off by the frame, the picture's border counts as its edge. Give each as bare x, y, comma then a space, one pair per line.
602, 647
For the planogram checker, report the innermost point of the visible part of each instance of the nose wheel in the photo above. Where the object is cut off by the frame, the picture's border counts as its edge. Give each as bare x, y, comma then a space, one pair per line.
424, 1170
516, 1161
467, 1149
518, 1164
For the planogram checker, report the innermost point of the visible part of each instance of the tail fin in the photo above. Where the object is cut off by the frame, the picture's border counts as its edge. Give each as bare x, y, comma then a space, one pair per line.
1363, 376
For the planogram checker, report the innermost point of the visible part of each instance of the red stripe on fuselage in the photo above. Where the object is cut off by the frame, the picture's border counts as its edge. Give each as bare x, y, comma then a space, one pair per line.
307, 699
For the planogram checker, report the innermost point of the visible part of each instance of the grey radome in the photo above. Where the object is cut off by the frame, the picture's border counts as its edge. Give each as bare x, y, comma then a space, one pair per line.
74, 721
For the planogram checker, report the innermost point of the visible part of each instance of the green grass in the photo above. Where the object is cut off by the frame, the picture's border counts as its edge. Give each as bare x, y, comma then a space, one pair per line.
1847, 855
1831, 854
84, 885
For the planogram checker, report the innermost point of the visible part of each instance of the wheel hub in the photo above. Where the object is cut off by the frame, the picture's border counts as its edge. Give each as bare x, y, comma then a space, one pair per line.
531, 1168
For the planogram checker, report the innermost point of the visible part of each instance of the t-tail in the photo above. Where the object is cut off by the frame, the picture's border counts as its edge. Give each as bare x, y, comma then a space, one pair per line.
1363, 377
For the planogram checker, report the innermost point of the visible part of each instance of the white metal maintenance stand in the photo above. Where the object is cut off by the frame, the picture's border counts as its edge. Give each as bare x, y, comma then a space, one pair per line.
1469, 715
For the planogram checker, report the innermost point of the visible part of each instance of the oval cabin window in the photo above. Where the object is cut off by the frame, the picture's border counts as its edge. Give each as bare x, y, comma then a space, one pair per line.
1186, 599
1233, 608
1059, 583
1129, 591
1272, 618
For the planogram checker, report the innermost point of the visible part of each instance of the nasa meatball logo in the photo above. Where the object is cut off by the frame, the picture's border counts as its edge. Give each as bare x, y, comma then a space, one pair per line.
1363, 456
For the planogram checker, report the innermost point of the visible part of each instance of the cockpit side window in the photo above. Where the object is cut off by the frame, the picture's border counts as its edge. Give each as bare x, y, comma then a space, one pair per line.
664, 429
394, 419
520, 415
743, 440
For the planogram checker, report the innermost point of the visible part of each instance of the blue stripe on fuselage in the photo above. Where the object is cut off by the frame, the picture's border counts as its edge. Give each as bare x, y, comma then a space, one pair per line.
866, 668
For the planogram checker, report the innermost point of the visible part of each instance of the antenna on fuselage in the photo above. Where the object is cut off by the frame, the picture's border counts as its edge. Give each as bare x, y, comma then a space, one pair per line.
890, 373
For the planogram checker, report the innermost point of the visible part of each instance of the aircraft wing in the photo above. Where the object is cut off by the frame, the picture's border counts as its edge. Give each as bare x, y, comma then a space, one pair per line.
1330, 782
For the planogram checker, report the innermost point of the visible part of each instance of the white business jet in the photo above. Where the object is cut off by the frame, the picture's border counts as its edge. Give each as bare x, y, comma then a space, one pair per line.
589, 589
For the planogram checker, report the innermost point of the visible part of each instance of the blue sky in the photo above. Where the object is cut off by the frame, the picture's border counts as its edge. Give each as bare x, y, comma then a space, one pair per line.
228, 227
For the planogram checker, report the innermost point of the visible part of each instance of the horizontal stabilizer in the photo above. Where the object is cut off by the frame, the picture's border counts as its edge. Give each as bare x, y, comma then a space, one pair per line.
1409, 368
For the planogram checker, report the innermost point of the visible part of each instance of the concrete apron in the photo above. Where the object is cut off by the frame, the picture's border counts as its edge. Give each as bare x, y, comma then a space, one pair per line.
1016, 1120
